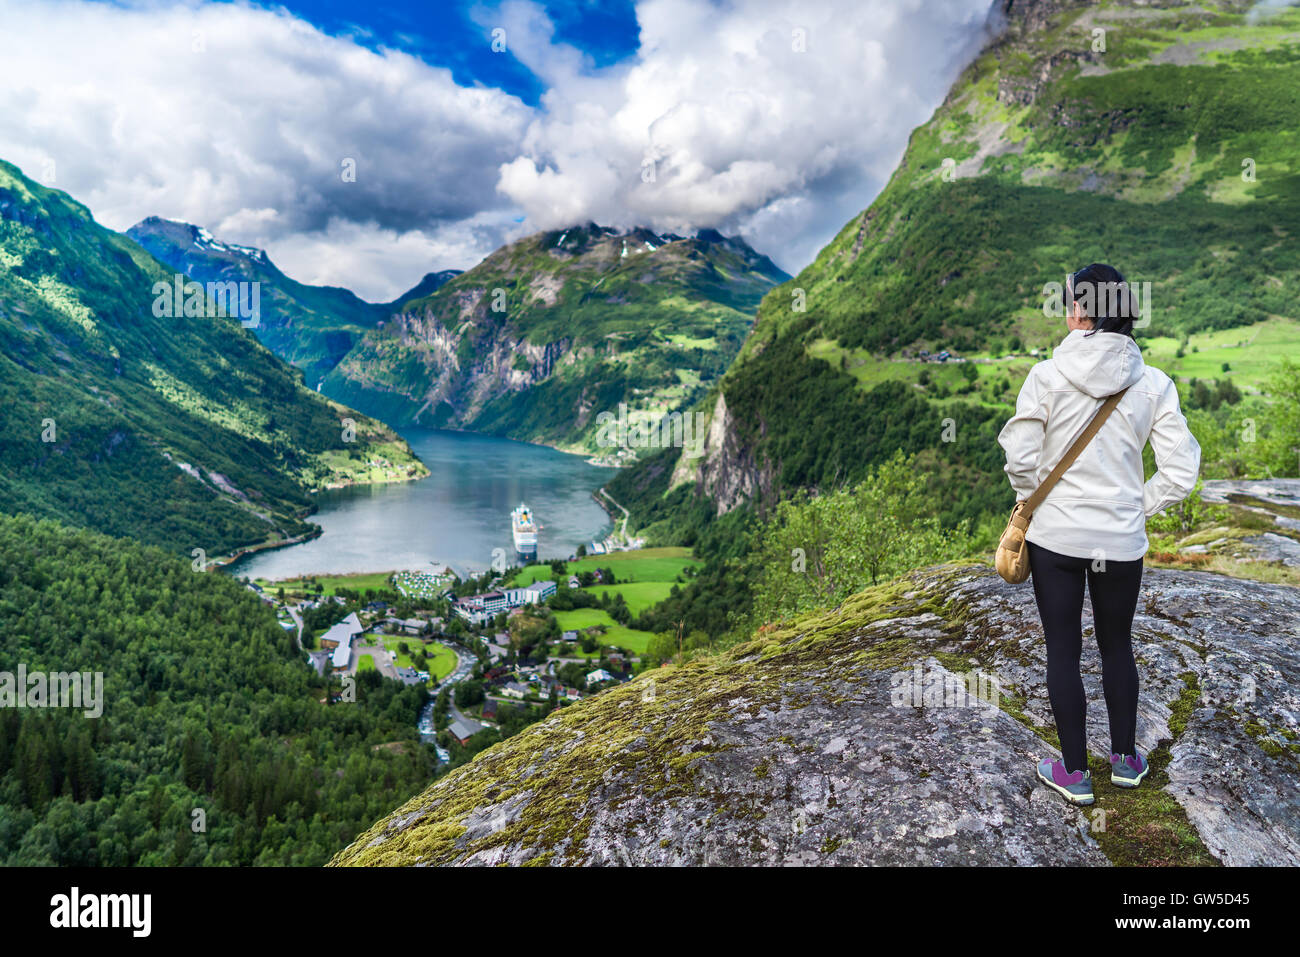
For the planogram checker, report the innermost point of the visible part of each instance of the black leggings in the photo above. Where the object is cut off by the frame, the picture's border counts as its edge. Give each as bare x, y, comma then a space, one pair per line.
1058, 589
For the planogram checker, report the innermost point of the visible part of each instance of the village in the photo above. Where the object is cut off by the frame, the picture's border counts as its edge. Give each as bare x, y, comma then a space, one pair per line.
490, 650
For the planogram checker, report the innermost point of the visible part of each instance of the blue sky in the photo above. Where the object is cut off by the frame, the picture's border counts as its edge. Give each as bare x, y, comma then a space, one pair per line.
774, 120
454, 35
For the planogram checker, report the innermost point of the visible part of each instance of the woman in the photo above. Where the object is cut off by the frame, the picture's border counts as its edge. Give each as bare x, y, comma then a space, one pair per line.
1092, 525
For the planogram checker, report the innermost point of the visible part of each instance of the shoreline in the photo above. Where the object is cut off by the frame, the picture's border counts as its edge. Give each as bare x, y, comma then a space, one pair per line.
384, 481
605, 501
307, 575
590, 457
230, 561
230, 558
223, 562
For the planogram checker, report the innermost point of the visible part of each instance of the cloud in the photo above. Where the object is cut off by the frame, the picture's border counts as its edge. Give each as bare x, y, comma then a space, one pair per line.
345, 248
773, 119
243, 119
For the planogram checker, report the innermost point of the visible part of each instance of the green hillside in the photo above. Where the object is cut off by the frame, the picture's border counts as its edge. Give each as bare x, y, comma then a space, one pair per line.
205, 706
179, 431
544, 335
1046, 155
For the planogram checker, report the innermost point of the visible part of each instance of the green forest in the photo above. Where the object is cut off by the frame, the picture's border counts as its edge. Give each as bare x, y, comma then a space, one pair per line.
208, 707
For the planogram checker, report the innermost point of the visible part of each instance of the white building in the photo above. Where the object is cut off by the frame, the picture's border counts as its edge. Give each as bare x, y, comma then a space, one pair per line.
343, 632
473, 614
540, 591
342, 656
339, 637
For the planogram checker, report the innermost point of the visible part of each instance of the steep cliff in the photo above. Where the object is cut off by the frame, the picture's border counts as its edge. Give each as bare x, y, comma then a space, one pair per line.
901, 728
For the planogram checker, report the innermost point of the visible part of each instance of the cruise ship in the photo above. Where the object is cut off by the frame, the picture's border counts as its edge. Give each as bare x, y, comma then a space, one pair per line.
524, 530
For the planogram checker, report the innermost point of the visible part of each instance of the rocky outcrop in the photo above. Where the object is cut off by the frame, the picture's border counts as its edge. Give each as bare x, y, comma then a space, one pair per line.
722, 466
901, 728
1262, 522
462, 372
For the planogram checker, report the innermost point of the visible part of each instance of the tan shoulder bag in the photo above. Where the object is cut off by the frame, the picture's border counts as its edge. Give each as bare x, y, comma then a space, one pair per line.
1012, 557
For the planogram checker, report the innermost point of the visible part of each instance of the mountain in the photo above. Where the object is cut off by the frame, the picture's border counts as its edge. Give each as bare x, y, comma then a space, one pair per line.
311, 327
1169, 153
848, 738
126, 415
431, 283
548, 332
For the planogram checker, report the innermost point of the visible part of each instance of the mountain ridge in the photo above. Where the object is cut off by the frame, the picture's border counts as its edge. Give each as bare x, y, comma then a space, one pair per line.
177, 429
311, 327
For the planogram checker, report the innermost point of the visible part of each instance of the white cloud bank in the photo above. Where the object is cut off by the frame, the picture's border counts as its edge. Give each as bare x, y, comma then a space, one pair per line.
241, 118
779, 120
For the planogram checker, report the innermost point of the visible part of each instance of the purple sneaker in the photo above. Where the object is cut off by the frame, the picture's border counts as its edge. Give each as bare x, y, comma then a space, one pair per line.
1075, 788
1128, 770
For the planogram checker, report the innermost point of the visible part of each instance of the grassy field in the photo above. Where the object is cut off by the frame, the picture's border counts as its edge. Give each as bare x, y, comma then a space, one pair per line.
643, 565
443, 663
870, 370
638, 595
365, 663
615, 634
393, 643
439, 666
330, 583
645, 578
1251, 352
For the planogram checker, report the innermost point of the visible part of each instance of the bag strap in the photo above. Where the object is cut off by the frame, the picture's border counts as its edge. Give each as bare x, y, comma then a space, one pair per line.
1072, 453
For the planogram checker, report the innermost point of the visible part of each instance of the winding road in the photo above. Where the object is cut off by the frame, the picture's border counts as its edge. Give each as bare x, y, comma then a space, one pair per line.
620, 534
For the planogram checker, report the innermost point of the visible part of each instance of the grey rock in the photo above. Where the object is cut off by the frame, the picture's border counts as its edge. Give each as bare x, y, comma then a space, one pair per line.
1240, 640
1271, 547
1277, 499
1270, 491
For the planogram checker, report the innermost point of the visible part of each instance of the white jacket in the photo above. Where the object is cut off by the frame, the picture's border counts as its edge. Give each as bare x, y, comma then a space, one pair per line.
1100, 505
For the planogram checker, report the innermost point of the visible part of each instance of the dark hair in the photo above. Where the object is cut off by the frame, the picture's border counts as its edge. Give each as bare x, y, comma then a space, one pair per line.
1107, 300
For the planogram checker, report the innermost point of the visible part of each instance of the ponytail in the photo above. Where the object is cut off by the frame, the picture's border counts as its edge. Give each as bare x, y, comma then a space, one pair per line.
1105, 296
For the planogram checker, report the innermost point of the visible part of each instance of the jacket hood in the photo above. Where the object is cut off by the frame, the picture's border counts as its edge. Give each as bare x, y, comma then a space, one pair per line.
1099, 364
